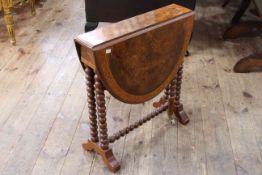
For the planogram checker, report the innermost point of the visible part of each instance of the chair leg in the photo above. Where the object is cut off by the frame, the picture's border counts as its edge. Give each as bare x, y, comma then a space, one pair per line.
8, 17
101, 147
244, 28
252, 63
32, 5
225, 3
178, 106
240, 12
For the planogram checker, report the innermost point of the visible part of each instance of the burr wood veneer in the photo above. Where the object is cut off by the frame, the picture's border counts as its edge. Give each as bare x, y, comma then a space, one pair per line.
134, 59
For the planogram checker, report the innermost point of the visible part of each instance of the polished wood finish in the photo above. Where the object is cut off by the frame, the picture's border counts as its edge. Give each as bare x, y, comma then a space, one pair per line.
108, 35
101, 147
90, 82
108, 51
43, 104
178, 107
134, 60
101, 112
172, 95
107, 155
163, 99
171, 99
246, 28
252, 63
137, 124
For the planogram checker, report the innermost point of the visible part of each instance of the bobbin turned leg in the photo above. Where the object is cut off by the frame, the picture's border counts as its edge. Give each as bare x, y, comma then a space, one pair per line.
171, 100
90, 82
102, 147
178, 107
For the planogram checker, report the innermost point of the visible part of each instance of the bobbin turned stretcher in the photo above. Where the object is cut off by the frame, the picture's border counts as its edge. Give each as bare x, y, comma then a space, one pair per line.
134, 60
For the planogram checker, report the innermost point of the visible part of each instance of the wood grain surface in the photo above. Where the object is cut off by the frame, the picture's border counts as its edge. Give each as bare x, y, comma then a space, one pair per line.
138, 57
43, 108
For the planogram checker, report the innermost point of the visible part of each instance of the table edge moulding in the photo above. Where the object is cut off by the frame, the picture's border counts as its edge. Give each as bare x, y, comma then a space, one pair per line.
134, 60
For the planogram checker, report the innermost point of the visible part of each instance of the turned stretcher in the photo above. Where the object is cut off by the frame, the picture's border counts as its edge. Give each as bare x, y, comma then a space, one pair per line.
134, 60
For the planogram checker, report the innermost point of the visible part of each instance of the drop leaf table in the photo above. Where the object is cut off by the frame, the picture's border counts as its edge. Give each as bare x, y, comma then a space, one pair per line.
134, 60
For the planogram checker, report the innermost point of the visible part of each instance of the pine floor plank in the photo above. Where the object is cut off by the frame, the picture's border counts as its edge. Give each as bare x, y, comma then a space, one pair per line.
43, 111
40, 125
191, 151
116, 120
251, 86
52, 156
242, 132
79, 161
28, 28
140, 144
219, 155
19, 79
241, 126
163, 145
132, 142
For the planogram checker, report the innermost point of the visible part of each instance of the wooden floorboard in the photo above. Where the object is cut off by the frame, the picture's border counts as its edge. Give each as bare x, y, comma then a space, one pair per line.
44, 115
240, 123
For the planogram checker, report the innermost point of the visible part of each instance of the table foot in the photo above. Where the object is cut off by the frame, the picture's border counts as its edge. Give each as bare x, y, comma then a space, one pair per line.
107, 155
181, 115
172, 96
252, 63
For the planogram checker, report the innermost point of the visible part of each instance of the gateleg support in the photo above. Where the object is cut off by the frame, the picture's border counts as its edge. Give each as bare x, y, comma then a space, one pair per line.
98, 142
178, 107
107, 155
